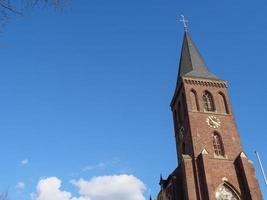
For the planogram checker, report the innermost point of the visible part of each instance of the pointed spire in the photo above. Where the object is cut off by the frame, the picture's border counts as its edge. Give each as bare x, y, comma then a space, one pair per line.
150, 198
160, 180
191, 62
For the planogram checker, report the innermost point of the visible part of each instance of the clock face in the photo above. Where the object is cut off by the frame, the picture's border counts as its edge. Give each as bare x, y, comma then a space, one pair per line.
213, 122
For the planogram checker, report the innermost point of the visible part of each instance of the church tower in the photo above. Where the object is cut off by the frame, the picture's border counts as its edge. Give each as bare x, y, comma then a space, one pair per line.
212, 164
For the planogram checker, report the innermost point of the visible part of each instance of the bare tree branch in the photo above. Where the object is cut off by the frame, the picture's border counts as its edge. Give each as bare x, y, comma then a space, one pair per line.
4, 196
9, 8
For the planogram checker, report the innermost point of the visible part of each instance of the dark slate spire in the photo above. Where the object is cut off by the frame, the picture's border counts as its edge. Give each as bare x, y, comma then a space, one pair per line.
191, 62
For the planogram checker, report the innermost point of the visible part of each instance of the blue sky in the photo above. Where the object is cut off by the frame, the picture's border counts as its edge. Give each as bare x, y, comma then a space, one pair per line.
85, 91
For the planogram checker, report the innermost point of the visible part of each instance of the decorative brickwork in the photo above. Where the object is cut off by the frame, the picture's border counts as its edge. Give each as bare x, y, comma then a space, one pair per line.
206, 83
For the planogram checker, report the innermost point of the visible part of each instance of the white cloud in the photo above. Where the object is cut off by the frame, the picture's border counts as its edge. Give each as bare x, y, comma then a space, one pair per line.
92, 167
114, 162
126, 187
116, 187
24, 162
20, 185
49, 189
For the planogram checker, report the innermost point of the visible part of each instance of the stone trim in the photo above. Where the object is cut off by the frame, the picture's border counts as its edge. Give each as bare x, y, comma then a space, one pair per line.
206, 83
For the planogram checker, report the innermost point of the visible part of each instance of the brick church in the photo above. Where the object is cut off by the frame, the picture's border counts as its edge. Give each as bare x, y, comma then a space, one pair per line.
212, 163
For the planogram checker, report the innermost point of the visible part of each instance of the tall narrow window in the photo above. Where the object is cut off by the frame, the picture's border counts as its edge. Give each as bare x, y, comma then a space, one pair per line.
218, 145
180, 113
208, 102
184, 103
183, 148
194, 100
223, 103
175, 120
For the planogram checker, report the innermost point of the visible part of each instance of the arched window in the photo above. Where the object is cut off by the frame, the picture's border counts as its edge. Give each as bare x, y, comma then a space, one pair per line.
194, 100
223, 103
218, 145
225, 192
208, 102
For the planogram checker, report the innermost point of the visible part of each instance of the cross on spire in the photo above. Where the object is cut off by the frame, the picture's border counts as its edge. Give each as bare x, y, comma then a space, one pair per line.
184, 21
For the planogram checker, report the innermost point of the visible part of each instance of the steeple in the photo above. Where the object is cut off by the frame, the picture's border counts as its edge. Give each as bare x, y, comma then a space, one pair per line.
211, 162
191, 62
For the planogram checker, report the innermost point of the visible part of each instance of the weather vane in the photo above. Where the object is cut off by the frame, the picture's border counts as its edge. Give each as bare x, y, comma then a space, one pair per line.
184, 21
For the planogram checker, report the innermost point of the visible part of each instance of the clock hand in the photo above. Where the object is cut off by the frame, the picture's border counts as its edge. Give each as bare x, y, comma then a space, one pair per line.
214, 121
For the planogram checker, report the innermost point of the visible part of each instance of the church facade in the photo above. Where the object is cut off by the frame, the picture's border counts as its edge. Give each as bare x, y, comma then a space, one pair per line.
212, 163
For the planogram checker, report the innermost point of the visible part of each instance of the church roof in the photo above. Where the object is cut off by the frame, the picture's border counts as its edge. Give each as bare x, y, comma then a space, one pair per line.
191, 61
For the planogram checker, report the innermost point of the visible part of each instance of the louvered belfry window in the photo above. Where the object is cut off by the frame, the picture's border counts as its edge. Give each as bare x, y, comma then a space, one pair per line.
208, 102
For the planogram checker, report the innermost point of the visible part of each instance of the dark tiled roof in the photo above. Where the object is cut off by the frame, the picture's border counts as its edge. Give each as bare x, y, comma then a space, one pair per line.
191, 61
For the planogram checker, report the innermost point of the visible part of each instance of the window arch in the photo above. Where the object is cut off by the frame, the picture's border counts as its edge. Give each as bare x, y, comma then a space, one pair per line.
194, 100
223, 103
208, 102
218, 145
226, 192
